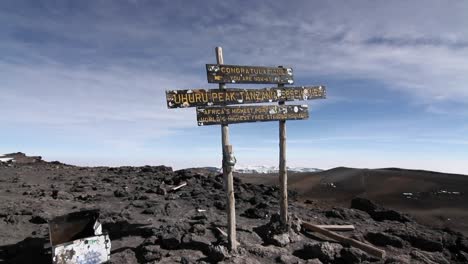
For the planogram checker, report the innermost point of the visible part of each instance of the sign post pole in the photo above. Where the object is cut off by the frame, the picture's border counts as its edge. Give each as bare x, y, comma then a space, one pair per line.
283, 174
227, 170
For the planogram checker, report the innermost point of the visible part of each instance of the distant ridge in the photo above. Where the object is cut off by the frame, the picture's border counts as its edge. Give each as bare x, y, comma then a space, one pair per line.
263, 169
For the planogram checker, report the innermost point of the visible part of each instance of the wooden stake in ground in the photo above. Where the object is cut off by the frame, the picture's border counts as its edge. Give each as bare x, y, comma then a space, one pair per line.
283, 174
227, 171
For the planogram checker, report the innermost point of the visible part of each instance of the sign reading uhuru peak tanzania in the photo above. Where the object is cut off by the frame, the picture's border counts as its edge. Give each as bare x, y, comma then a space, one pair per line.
220, 73
240, 114
203, 97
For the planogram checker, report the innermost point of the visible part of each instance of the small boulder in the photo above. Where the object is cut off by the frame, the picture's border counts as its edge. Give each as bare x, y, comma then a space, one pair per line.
325, 252
383, 239
401, 259
170, 239
120, 193
280, 240
363, 204
391, 215
353, 255
38, 219
429, 258
218, 253
288, 259
428, 240
124, 257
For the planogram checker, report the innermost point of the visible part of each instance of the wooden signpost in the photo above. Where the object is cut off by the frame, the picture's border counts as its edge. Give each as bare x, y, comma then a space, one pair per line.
217, 73
213, 109
242, 114
205, 97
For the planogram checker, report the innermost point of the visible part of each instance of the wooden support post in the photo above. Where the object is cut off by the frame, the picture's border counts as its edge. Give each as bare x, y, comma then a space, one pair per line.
227, 171
377, 252
283, 174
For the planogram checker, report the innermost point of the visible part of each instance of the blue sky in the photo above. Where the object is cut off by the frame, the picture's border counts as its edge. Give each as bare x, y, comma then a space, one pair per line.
83, 81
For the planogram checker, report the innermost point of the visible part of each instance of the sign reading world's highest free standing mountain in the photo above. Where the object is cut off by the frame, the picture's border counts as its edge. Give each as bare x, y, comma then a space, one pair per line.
241, 114
213, 108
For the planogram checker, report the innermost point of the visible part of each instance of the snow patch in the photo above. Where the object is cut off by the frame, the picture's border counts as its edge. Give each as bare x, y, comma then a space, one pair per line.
271, 169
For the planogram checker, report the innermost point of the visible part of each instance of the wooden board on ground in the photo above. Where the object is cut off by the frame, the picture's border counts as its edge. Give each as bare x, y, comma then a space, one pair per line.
232, 96
217, 73
241, 114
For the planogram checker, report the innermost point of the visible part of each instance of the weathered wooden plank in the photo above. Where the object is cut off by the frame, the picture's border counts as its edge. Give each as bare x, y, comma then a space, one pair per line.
217, 73
369, 249
233, 96
240, 114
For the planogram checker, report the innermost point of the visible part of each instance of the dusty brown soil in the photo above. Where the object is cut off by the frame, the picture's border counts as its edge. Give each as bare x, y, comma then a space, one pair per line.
437, 199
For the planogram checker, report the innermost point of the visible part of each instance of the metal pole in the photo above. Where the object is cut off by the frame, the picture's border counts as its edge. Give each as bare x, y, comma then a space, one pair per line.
227, 171
283, 174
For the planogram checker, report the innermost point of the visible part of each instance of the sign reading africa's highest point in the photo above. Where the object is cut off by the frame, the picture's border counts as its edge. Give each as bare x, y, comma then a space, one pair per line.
221, 73
216, 115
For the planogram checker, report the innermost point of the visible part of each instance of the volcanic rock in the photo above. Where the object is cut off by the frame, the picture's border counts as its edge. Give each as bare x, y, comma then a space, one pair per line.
383, 239
148, 224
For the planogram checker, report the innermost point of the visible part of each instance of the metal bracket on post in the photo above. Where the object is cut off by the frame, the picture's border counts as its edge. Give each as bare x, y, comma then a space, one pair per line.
229, 159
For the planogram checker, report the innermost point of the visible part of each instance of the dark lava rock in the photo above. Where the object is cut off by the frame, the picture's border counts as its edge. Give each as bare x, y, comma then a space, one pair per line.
280, 240
353, 255
220, 205
120, 193
384, 239
377, 213
288, 259
198, 229
260, 211
274, 232
429, 258
12, 219
161, 190
314, 261
149, 254
256, 200
334, 214
401, 259
124, 257
171, 238
462, 243
463, 256
29, 250
218, 253
363, 205
346, 214
391, 215
428, 241
195, 242
155, 169
38, 219
325, 252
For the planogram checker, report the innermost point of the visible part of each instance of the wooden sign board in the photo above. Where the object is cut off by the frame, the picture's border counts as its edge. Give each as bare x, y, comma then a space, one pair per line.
204, 97
217, 73
241, 114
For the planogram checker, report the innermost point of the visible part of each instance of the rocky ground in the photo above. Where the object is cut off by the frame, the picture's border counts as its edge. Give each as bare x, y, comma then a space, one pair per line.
149, 223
